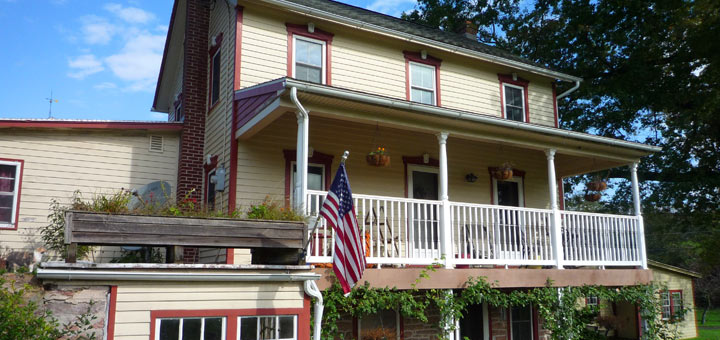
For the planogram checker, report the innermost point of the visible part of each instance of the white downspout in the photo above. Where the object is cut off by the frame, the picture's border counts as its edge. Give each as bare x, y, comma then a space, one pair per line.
566, 93
301, 154
312, 289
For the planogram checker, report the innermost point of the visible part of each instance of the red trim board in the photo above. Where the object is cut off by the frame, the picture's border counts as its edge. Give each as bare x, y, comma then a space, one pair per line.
232, 182
76, 124
111, 313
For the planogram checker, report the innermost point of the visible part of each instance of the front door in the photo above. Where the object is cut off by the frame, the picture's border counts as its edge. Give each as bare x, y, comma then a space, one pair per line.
423, 184
509, 231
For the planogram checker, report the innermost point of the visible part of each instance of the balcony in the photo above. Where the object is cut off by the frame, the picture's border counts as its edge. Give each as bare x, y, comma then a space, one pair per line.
403, 231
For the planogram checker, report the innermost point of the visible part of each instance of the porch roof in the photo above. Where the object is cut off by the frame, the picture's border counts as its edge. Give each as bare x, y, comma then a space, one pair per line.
259, 105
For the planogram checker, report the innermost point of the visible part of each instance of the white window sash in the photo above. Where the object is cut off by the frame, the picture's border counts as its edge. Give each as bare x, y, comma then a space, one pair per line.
277, 323
14, 193
202, 326
430, 89
522, 97
323, 53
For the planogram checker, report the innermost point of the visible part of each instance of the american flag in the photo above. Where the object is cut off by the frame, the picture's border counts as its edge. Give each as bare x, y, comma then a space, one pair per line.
338, 211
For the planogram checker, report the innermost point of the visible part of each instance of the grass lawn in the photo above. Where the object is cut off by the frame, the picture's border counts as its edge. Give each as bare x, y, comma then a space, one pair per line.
711, 329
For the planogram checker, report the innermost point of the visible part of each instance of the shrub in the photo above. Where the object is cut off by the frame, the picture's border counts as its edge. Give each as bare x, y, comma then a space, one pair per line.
271, 210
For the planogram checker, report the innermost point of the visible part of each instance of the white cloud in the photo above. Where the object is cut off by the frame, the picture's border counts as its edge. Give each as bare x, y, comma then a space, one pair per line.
84, 66
392, 7
97, 30
139, 61
132, 15
105, 86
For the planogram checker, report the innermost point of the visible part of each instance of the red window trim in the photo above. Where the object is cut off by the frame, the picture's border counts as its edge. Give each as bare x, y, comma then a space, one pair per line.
555, 108
318, 34
429, 60
516, 173
19, 193
231, 316
416, 160
212, 52
508, 79
232, 182
317, 158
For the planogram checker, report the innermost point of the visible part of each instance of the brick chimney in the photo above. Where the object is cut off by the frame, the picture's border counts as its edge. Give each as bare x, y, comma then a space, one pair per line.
194, 99
469, 30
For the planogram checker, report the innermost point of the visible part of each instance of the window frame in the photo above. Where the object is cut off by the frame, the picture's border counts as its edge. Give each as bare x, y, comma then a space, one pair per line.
534, 322
671, 302
232, 316
589, 301
518, 176
514, 82
417, 58
323, 54
17, 192
214, 51
202, 335
294, 31
412, 87
399, 327
295, 324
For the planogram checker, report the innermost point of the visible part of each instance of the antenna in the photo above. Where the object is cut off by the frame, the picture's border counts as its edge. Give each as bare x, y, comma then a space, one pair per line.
51, 100
344, 156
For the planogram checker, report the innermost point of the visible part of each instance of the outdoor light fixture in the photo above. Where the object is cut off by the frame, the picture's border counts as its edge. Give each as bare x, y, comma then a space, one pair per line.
471, 178
311, 27
426, 158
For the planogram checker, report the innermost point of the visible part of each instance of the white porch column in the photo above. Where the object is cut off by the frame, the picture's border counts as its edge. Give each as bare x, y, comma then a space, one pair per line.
301, 162
556, 222
445, 224
638, 214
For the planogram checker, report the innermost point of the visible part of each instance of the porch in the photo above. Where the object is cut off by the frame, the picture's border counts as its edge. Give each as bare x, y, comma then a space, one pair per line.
424, 209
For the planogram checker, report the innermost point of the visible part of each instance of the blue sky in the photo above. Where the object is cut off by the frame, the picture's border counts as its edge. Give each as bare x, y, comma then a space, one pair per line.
100, 58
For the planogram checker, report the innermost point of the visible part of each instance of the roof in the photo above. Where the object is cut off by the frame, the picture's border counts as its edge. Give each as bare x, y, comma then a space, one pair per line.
252, 100
369, 19
89, 124
678, 270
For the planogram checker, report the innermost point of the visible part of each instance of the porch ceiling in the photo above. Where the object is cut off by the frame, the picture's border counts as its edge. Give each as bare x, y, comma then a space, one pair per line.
576, 153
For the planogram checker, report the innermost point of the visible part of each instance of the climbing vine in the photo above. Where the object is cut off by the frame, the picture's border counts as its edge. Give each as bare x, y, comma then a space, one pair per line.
563, 316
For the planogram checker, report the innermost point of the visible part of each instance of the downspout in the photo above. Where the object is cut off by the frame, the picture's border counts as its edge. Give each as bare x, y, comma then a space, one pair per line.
312, 289
568, 92
301, 154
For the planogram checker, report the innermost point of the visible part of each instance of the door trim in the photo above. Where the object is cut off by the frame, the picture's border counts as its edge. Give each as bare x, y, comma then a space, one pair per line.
521, 189
416, 160
419, 168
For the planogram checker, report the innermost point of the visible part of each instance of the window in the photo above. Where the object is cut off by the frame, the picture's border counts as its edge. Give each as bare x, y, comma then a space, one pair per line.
209, 328
267, 327
210, 198
319, 165
422, 78
672, 304
215, 60
10, 178
591, 301
309, 53
514, 102
309, 60
384, 324
513, 98
422, 83
521, 323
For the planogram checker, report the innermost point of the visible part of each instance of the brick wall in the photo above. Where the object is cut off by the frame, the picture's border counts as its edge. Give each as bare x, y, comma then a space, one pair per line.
190, 169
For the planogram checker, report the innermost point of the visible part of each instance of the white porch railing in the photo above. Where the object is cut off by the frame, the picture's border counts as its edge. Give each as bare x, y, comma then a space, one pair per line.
410, 231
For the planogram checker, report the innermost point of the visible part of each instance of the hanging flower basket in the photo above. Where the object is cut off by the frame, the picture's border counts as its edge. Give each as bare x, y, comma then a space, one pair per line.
504, 172
378, 158
592, 196
596, 185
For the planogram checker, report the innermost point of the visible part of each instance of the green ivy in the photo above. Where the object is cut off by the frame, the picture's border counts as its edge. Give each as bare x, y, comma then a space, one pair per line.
558, 307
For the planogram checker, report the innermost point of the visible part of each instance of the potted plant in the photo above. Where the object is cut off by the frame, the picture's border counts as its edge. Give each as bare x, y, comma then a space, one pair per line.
598, 184
378, 157
592, 196
504, 172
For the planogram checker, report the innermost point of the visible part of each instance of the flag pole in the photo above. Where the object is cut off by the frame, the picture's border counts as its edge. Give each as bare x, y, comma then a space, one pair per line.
307, 243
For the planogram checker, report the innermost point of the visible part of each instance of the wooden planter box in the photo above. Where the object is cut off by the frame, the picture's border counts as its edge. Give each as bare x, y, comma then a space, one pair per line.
91, 228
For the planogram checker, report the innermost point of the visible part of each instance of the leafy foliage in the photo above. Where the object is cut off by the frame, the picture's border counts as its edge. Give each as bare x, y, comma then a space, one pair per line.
271, 210
558, 307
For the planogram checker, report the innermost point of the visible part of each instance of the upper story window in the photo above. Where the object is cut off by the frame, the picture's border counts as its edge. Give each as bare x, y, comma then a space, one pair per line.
215, 61
309, 59
514, 98
309, 56
422, 78
10, 177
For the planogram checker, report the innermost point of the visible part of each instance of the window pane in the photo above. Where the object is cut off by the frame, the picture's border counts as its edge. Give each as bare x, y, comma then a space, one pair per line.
169, 329
267, 328
422, 96
215, 79
213, 329
423, 76
666, 305
248, 328
308, 52
287, 327
308, 73
521, 323
7, 184
191, 329
7, 177
514, 113
513, 96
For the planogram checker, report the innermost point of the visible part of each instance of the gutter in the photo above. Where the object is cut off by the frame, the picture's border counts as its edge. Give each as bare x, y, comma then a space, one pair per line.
457, 114
92, 275
425, 41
